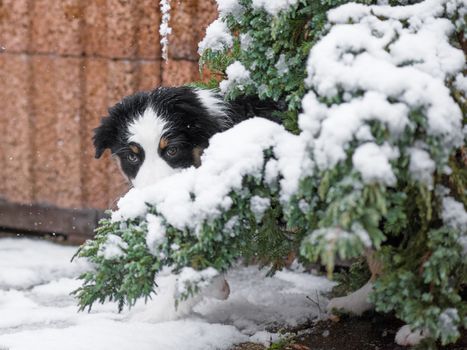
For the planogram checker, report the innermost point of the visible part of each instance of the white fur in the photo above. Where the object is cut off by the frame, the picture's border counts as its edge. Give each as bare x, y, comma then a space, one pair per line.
147, 131
162, 308
218, 289
215, 105
355, 303
406, 337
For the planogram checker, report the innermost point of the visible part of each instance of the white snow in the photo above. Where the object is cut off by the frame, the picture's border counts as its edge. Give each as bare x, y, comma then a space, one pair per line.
372, 162
229, 7
217, 38
113, 248
237, 75
37, 311
421, 166
362, 234
245, 41
196, 195
33, 263
281, 66
454, 214
462, 241
156, 233
335, 234
448, 321
258, 206
461, 83
273, 7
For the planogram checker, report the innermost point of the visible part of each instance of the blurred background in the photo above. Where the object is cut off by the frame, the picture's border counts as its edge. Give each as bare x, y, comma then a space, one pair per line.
62, 64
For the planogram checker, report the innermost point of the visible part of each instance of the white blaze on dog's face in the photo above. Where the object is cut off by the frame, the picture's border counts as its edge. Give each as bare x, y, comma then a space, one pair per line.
156, 134
145, 134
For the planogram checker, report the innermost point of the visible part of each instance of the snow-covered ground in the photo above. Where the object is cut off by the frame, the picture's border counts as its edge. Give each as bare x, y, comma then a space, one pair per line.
37, 312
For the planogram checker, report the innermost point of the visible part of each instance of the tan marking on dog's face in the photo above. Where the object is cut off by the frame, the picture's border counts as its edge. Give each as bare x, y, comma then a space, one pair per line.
197, 152
134, 149
163, 143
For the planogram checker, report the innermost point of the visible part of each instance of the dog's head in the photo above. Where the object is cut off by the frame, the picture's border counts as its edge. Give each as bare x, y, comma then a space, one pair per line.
155, 134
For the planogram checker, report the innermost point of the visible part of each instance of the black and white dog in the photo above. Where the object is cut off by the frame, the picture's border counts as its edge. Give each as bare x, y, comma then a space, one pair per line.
155, 134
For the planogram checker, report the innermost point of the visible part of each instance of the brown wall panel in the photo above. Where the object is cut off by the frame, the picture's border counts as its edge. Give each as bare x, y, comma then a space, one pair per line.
44, 119
147, 35
56, 109
149, 75
121, 28
56, 26
182, 41
68, 141
14, 25
3, 121
94, 172
178, 72
16, 147
94, 27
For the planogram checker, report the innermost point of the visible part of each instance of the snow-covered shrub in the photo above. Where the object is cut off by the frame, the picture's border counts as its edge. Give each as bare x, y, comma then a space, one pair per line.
372, 157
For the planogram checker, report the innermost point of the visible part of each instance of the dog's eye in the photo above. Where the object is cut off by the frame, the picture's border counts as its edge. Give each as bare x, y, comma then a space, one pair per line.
132, 158
172, 151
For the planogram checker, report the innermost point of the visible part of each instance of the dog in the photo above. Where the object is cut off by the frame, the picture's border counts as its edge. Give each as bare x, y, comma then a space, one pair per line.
155, 134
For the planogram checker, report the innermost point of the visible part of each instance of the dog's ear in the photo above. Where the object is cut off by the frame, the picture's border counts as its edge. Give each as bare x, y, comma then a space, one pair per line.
104, 136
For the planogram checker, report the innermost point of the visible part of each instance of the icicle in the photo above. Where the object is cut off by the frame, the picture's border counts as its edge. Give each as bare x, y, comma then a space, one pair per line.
164, 28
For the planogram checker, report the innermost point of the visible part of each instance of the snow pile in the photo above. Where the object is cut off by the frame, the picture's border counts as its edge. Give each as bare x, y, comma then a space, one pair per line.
336, 236
237, 75
454, 214
41, 314
194, 196
246, 40
229, 7
281, 66
217, 38
17, 271
448, 321
273, 7
113, 248
259, 205
372, 161
421, 166
156, 233
385, 64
